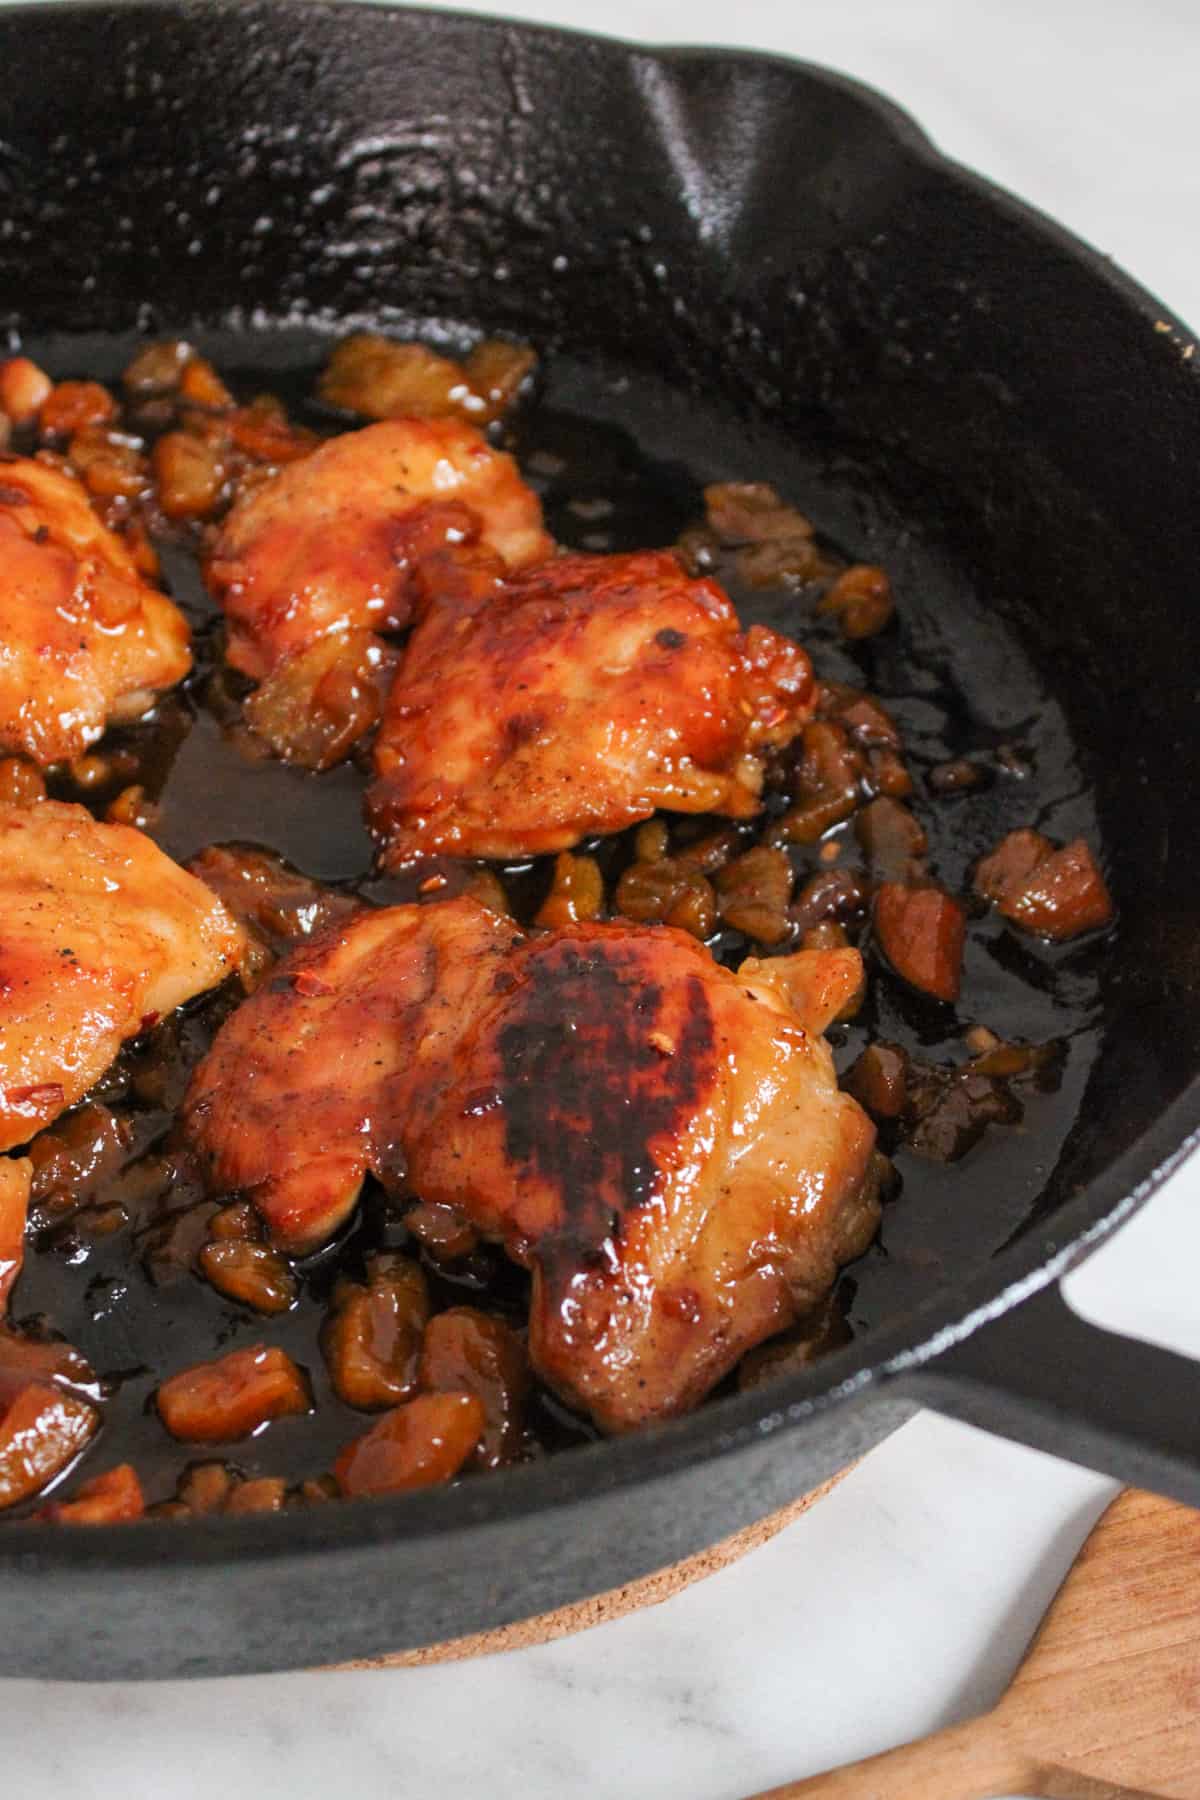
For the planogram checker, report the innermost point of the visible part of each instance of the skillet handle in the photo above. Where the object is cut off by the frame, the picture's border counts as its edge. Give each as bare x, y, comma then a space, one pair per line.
1041, 1375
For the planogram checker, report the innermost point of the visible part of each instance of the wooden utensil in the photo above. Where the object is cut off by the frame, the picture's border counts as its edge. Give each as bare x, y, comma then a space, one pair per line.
1106, 1704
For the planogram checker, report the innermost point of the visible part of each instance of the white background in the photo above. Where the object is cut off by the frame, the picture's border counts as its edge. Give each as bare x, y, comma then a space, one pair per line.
902, 1602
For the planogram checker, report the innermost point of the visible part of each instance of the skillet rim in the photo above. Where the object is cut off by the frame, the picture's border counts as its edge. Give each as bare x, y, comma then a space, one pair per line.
891, 1352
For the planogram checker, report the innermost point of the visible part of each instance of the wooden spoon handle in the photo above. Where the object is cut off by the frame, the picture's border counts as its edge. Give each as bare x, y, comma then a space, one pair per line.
968, 1762
964, 1763
1108, 1694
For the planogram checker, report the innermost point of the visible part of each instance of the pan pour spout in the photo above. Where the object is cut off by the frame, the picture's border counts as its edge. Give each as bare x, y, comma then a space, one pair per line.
659, 1140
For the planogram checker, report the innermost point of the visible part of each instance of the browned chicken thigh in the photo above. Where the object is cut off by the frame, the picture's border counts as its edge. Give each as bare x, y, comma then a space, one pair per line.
100, 934
16, 1173
329, 545
84, 640
312, 1082
661, 1141
578, 697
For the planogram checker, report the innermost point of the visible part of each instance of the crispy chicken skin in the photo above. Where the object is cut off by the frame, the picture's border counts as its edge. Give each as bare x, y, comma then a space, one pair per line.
576, 698
100, 934
664, 1143
315, 1079
83, 639
331, 542
661, 1141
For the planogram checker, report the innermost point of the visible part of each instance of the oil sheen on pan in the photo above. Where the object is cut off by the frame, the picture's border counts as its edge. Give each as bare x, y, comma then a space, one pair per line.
920, 739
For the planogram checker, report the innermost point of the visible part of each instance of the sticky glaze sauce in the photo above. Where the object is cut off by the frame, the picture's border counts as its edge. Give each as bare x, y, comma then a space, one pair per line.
620, 465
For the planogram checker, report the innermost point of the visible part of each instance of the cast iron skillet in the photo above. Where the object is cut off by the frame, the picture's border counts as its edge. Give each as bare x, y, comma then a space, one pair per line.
783, 244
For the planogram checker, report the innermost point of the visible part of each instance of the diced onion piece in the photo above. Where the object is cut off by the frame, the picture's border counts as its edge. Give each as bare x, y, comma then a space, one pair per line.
113, 1498
751, 512
23, 389
577, 892
24, 1360
1063, 897
494, 371
879, 1080
894, 841
383, 379
1015, 857
71, 405
41, 1433
447, 1234
861, 600
200, 385
315, 706
921, 931
267, 1494
371, 1341
417, 1445
470, 1352
1056, 893
754, 893
16, 1174
190, 475
217, 1402
252, 1274
668, 892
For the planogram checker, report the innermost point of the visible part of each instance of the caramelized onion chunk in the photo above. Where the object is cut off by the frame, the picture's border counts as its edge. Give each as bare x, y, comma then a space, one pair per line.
15, 1178
24, 388
114, 1498
922, 931
1058, 894
419, 1444
42, 1431
668, 892
861, 601
577, 892
313, 708
252, 1274
470, 1352
383, 379
754, 893
371, 1340
217, 1402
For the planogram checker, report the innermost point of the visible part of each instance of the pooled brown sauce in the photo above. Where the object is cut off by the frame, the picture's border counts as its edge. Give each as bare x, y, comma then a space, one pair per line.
619, 464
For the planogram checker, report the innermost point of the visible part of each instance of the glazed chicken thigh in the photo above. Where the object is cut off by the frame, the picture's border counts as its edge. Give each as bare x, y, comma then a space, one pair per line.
16, 1174
330, 544
84, 640
578, 697
661, 1141
100, 934
316, 1079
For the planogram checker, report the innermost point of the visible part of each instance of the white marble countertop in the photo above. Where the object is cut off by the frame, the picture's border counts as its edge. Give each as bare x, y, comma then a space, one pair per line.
902, 1601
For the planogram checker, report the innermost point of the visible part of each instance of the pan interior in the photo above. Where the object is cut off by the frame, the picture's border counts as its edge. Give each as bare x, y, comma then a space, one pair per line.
621, 458
733, 269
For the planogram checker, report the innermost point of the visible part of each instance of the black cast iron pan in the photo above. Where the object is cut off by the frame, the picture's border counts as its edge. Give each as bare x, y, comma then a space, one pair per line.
777, 250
